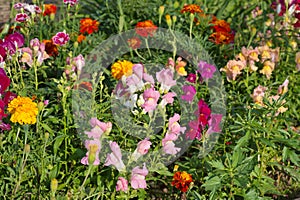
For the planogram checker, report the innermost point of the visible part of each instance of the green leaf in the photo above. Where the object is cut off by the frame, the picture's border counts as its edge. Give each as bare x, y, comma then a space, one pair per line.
242, 141
217, 164
212, 184
58, 141
47, 128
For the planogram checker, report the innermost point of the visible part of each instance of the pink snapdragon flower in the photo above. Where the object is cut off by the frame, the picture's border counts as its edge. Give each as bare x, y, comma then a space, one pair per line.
150, 97
138, 176
165, 78
168, 144
194, 130
88, 144
122, 184
282, 89
189, 93
167, 99
21, 17
79, 62
4, 81
142, 149
174, 126
61, 38
214, 123
206, 70
115, 158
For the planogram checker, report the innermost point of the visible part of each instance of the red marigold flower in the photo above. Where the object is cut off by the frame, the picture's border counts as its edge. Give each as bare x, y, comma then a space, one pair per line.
50, 48
221, 26
49, 9
191, 8
80, 38
182, 180
145, 28
88, 25
134, 42
221, 37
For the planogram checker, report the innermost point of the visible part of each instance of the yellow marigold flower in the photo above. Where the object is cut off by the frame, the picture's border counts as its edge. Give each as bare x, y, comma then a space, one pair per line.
23, 110
120, 68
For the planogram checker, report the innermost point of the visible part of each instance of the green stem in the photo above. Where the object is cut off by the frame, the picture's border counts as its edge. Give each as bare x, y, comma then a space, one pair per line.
87, 175
23, 161
147, 45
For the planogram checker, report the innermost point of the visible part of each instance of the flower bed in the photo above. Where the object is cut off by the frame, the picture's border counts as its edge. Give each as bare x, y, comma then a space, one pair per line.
158, 100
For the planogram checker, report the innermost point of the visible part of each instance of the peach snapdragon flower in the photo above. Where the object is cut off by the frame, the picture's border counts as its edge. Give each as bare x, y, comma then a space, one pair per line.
233, 68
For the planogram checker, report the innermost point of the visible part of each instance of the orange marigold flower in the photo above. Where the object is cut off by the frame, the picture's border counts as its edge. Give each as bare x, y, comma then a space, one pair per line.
145, 28
50, 48
191, 8
120, 68
182, 180
49, 9
80, 38
134, 42
221, 37
88, 25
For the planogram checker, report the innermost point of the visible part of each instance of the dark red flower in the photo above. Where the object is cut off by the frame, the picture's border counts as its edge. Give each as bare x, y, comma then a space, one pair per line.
145, 28
4, 81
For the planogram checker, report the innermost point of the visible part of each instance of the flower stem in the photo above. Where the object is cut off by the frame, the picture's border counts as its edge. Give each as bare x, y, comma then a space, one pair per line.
87, 175
147, 45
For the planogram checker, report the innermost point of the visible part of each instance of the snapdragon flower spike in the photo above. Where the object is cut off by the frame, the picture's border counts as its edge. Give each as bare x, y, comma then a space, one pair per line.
115, 158
138, 177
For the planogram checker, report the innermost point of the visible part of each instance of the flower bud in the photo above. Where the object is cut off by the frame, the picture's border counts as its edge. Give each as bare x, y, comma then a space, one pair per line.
40, 106
92, 153
46, 135
175, 168
174, 18
161, 10
54, 184
169, 21
176, 4
27, 148
52, 16
75, 45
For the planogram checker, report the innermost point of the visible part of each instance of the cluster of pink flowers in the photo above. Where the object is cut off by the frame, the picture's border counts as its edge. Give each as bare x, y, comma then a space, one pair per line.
5, 98
206, 71
35, 52
259, 94
250, 57
10, 44
29, 10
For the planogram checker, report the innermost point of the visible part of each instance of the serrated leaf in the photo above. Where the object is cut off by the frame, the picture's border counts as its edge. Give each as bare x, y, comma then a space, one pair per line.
212, 184
217, 164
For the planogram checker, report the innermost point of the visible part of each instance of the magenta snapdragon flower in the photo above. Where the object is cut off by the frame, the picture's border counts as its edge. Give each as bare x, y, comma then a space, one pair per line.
206, 70
189, 93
